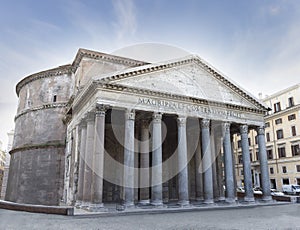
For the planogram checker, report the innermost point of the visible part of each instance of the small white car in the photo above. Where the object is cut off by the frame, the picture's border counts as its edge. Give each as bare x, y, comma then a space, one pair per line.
257, 190
275, 192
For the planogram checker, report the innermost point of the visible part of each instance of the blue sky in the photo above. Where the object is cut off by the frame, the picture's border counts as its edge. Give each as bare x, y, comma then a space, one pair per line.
256, 43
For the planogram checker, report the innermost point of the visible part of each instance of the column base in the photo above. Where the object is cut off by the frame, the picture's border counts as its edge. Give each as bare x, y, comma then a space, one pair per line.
199, 199
184, 203
230, 200
208, 201
157, 203
267, 199
129, 205
96, 207
84, 205
249, 199
222, 198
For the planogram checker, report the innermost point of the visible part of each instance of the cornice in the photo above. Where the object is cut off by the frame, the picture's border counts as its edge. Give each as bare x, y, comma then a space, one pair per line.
294, 108
46, 106
103, 56
56, 144
93, 85
61, 70
190, 59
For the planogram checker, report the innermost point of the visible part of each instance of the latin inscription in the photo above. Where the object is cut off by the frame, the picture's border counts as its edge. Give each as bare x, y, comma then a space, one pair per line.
188, 107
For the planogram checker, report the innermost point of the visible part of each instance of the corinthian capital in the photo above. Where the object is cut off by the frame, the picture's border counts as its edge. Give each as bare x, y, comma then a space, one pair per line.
205, 123
260, 130
244, 129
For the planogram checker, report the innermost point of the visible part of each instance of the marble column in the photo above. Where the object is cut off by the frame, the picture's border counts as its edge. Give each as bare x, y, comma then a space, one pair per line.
81, 159
207, 162
156, 191
264, 169
249, 197
199, 173
89, 148
144, 164
129, 158
98, 161
229, 175
183, 185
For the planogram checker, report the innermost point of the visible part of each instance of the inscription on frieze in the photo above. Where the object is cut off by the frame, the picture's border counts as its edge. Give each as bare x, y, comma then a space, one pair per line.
180, 106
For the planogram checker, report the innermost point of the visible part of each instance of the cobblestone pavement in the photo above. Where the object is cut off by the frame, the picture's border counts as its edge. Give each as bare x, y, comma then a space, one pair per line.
263, 217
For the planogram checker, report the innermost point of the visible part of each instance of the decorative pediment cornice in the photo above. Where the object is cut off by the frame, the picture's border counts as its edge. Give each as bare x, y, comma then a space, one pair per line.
103, 56
183, 61
61, 70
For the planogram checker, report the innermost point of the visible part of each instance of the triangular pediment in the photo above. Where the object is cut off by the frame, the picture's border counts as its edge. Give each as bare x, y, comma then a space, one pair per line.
189, 77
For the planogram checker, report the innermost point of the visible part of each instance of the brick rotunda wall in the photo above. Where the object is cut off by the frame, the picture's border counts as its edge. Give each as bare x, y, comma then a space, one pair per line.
37, 157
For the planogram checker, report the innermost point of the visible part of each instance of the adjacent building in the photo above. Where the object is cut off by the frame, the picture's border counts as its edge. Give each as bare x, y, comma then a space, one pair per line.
112, 129
10, 135
282, 126
2, 165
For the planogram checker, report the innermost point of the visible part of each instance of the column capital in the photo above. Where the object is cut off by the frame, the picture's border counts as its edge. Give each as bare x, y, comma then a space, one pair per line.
244, 129
260, 130
101, 110
130, 114
226, 127
181, 120
157, 117
205, 123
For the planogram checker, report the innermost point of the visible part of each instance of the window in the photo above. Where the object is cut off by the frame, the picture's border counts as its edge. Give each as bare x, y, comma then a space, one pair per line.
279, 134
278, 121
257, 155
277, 107
271, 170
291, 101
268, 137
270, 154
249, 141
54, 98
298, 168
285, 181
240, 159
239, 144
281, 152
295, 150
242, 172
256, 140
267, 124
251, 159
284, 169
292, 117
294, 131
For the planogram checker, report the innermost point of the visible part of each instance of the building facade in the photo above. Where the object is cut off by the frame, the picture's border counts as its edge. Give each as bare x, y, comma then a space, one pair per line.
112, 129
282, 125
2, 165
10, 135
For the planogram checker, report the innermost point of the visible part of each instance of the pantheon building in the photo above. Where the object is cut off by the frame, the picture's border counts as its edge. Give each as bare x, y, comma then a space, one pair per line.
108, 129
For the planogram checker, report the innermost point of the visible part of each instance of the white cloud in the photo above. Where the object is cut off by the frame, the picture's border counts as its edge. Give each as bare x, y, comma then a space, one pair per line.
126, 23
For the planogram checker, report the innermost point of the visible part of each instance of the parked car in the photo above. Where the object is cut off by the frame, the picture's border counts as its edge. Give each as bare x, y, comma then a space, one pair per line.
257, 190
291, 189
275, 192
240, 189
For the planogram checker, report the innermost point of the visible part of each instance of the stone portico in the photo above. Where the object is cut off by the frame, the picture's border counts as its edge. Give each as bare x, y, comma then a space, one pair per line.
160, 133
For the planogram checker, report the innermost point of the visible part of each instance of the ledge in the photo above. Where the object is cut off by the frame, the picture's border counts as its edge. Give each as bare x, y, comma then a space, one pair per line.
41, 146
59, 210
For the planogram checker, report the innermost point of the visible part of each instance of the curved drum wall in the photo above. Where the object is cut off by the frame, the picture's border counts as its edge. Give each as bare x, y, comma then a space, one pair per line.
37, 158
